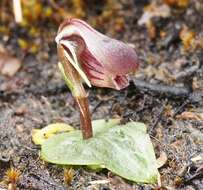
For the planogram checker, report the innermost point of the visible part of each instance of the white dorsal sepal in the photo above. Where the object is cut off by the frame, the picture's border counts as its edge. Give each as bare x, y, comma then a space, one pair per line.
74, 60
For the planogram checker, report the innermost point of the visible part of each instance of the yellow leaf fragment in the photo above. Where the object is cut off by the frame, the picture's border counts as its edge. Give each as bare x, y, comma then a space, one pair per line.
188, 38
191, 40
40, 135
23, 44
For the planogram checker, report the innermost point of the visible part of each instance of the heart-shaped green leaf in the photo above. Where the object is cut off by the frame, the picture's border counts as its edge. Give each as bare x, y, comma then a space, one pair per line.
123, 149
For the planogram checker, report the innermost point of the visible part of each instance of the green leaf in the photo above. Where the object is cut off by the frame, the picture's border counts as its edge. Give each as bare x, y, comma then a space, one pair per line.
126, 150
40, 135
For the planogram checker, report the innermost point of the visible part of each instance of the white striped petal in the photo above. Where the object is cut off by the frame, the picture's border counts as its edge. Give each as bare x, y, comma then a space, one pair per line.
74, 61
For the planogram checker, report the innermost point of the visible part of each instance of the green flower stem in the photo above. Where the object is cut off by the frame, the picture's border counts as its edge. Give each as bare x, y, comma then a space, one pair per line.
73, 81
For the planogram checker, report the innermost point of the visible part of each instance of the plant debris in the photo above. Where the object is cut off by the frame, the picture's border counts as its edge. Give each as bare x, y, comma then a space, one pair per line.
177, 3
9, 65
11, 178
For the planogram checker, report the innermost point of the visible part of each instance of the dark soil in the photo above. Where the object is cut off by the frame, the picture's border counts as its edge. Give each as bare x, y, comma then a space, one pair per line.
37, 96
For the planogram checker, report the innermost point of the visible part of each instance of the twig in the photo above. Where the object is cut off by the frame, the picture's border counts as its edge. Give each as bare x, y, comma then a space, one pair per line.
97, 106
198, 174
54, 5
180, 109
162, 89
193, 97
166, 90
151, 131
187, 72
50, 90
32, 177
17, 9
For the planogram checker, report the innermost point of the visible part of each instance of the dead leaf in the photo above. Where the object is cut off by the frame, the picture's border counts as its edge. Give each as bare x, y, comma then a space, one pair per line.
191, 40
162, 159
197, 159
188, 38
103, 181
190, 115
9, 65
154, 10
151, 11
196, 134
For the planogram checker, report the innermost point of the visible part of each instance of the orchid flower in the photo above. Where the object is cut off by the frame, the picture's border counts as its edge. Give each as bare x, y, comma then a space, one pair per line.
89, 56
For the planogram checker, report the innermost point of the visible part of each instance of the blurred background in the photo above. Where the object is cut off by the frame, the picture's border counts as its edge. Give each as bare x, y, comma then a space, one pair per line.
169, 27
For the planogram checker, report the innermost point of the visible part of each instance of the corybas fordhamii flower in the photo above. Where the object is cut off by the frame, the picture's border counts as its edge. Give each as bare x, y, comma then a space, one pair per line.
89, 56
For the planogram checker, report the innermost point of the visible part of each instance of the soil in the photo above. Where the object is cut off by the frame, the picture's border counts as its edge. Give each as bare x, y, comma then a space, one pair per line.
37, 96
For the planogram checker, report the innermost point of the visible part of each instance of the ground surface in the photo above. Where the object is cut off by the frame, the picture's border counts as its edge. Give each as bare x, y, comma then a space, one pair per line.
36, 96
